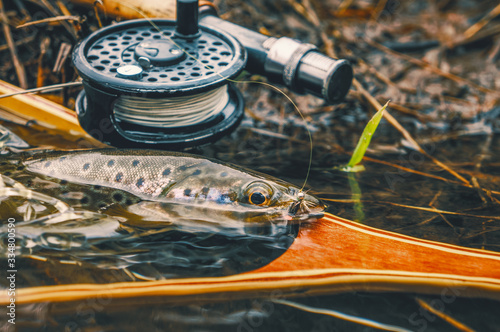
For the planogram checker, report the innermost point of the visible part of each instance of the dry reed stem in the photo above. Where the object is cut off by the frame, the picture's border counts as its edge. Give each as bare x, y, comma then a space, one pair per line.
310, 14
404, 132
412, 207
40, 77
273, 134
55, 12
378, 9
483, 34
432, 68
405, 110
344, 4
50, 20
472, 30
63, 8
409, 170
336, 314
372, 70
96, 12
20, 42
43, 88
443, 316
21, 73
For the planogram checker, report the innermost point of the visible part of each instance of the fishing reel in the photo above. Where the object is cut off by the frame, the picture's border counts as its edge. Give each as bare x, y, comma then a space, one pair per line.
158, 83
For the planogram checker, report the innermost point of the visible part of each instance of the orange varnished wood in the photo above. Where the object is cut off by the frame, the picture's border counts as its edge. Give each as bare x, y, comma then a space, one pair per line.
46, 113
333, 242
329, 256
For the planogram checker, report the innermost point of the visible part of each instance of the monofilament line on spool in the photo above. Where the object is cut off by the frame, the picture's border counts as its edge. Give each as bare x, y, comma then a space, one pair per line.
172, 112
158, 83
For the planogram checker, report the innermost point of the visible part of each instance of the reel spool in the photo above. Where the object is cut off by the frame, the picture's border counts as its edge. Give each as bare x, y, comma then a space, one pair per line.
159, 83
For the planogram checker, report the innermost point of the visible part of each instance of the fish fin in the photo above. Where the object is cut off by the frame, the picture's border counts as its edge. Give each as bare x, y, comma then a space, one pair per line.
143, 214
115, 209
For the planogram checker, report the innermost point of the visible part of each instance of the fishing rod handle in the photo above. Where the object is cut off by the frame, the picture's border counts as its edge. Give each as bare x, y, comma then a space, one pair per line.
299, 66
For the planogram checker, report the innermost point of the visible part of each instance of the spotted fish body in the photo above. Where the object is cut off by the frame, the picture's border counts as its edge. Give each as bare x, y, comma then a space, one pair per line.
129, 176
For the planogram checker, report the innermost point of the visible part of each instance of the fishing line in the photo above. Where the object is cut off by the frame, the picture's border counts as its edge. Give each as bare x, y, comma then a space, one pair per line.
173, 113
181, 111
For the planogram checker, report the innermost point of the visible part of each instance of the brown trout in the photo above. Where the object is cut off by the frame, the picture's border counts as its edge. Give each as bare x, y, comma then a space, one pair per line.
161, 185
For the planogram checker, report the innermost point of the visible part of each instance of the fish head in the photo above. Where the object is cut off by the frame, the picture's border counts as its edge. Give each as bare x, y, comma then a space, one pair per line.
284, 197
247, 195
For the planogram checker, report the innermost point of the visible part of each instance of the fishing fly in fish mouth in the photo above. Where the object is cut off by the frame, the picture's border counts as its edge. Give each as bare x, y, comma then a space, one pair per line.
182, 179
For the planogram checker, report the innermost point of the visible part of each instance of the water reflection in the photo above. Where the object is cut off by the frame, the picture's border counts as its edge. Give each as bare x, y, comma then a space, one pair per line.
399, 310
122, 250
85, 240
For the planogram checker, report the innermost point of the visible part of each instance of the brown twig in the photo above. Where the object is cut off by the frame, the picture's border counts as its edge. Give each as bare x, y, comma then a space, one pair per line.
40, 78
49, 20
42, 89
276, 135
24, 12
409, 170
96, 12
382, 77
62, 55
378, 9
490, 230
420, 224
412, 207
495, 52
62, 7
447, 222
56, 13
431, 68
443, 316
431, 204
312, 16
23, 41
471, 31
314, 19
404, 132
21, 73
484, 34
406, 110
345, 4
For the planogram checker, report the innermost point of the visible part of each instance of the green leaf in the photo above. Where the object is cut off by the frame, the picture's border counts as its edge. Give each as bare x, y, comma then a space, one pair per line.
366, 137
356, 197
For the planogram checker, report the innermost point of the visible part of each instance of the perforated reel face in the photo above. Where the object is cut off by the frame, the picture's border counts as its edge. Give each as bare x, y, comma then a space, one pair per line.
176, 63
138, 59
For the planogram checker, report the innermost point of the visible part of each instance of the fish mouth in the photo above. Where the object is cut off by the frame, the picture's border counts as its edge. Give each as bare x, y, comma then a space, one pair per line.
316, 215
311, 215
308, 208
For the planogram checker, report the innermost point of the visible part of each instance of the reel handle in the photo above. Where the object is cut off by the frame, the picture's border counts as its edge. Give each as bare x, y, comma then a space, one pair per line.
187, 19
299, 66
286, 61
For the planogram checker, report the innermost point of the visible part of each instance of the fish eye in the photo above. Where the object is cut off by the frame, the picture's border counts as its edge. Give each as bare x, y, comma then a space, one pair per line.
257, 198
259, 193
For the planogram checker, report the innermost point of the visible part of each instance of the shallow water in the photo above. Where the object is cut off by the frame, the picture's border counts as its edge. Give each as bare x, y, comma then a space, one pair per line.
455, 122
103, 234
382, 196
